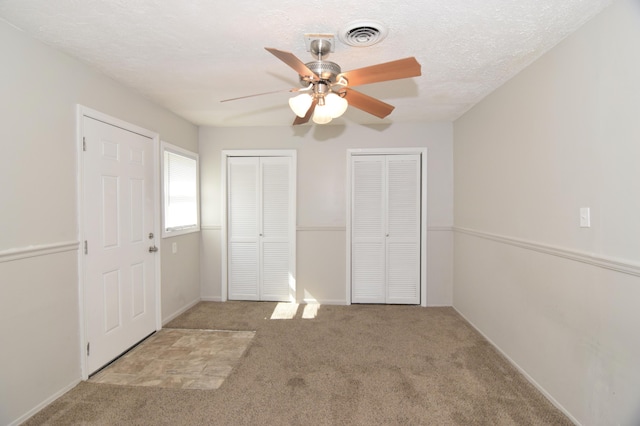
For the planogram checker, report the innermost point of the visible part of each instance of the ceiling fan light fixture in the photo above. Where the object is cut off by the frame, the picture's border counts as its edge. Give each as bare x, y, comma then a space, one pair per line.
300, 104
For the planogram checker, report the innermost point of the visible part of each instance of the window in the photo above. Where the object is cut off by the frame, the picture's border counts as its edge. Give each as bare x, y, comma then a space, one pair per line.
180, 169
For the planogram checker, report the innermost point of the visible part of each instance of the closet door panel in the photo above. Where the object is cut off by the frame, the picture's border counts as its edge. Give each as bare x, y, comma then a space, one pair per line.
368, 200
368, 273
243, 271
275, 197
243, 198
243, 225
403, 273
275, 247
275, 272
403, 229
368, 230
403, 182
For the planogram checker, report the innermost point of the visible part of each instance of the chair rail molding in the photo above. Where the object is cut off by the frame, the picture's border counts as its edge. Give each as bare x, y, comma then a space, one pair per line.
619, 265
37, 250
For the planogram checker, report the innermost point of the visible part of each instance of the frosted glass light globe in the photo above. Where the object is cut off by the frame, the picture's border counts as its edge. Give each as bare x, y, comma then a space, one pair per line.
337, 105
322, 114
300, 104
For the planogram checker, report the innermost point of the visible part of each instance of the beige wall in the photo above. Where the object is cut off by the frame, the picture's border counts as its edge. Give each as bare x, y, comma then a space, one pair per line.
39, 304
561, 301
321, 203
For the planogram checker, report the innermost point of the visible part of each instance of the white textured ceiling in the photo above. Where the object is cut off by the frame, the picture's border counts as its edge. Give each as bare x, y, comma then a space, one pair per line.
189, 55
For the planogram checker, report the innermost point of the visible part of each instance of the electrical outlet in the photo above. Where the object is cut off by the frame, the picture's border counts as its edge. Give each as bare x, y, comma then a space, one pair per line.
585, 217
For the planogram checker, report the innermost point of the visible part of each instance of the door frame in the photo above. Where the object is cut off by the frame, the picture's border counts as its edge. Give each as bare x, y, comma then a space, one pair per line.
81, 112
224, 244
423, 211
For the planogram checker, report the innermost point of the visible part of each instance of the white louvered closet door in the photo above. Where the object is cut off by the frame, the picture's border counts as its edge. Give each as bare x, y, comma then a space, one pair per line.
403, 229
385, 224
243, 228
368, 230
274, 241
259, 249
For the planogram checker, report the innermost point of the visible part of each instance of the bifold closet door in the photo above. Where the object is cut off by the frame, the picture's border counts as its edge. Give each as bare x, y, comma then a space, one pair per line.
385, 226
259, 249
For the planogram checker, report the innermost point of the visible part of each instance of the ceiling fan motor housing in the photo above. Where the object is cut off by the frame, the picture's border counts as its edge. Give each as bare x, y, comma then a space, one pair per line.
326, 70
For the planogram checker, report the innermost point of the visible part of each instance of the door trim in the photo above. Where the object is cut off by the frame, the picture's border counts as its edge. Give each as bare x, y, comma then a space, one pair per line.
423, 212
292, 153
81, 112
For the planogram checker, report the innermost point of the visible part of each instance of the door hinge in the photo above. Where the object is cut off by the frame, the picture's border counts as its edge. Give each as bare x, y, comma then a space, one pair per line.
84, 143
86, 247
88, 348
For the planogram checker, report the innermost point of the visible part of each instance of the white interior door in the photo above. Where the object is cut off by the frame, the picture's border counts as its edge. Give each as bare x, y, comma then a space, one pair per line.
118, 214
385, 226
259, 232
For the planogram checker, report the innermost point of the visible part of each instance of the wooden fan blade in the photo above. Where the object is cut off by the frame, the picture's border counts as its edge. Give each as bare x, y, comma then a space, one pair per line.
307, 116
368, 104
394, 70
295, 63
295, 89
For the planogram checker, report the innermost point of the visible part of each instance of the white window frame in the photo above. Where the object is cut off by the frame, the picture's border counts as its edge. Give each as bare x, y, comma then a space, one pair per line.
167, 147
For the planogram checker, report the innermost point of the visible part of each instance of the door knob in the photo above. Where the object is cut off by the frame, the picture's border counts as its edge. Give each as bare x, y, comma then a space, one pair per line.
153, 249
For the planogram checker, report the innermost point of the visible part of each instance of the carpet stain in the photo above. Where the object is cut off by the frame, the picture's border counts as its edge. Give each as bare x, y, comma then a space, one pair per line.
422, 365
296, 382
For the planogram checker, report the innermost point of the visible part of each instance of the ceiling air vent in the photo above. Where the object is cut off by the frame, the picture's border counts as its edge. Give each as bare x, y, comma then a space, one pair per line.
363, 33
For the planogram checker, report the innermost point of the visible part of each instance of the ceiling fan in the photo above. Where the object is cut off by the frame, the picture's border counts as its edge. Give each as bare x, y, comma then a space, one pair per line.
326, 91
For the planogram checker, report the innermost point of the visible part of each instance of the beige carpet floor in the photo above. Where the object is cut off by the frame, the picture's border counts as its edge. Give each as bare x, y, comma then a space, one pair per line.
344, 365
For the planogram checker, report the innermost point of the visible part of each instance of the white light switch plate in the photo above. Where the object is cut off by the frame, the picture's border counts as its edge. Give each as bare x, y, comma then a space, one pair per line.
174, 248
585, 217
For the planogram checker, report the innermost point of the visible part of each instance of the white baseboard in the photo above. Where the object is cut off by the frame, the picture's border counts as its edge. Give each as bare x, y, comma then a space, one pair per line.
180, 312
523, 372
305, 301
44, 403
211, 299
324, 302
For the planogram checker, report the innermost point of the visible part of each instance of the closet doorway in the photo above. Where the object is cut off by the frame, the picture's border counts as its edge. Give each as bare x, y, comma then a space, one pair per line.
259, 225
386, 232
